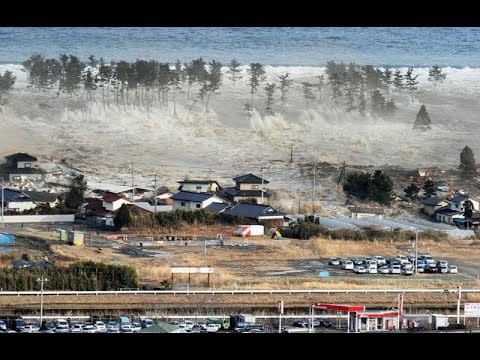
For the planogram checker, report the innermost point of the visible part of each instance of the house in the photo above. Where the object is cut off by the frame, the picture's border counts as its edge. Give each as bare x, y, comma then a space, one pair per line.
21, 161
192, 200
359, 212
457, 201
112, 202
43, 198
120, 190
432, 204
152, 208
96, 215
22, 167
249, 188
258, 212
448, 216
17, 201
201, 186
217, 207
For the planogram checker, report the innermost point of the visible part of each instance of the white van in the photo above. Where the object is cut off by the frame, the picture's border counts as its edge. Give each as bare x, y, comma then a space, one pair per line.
61, 326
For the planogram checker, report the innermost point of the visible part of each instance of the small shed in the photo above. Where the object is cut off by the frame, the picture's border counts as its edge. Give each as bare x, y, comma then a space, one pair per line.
62, 235
75, 238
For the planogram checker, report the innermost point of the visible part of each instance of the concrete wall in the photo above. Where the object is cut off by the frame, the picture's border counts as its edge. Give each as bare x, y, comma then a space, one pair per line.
17, 219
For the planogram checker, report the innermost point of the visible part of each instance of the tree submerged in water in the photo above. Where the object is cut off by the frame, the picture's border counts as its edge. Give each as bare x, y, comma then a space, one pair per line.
422, 122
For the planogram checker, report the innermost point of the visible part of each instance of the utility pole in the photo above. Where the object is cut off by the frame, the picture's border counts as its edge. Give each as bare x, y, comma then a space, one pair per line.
155, 192
41, 281
416, 252
313, 187
3, 197
262, 183
133, 186
298, 191
291, 153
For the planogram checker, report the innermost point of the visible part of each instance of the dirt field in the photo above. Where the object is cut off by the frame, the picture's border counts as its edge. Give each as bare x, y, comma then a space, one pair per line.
263, 262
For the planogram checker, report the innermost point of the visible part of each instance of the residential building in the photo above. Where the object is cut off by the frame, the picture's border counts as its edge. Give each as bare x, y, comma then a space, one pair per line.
457, 201
193, 201
260, 213
248, 188
432, 204
200, 186
448, 216
112, 202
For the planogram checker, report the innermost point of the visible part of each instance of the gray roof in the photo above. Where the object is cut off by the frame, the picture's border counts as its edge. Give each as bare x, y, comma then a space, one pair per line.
21, 157
249, 179
217, 207
459, 198
447, 211
197, 182
252, 211
432, 201
41, 196
191, 196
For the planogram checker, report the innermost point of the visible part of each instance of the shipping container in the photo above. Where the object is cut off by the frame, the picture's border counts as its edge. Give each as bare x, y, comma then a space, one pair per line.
7, 239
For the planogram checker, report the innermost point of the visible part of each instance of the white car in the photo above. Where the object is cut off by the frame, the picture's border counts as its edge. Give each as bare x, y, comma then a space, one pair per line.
348, 265
384, 270
359, 269
213, 327
101, 327
452, 269
395, 269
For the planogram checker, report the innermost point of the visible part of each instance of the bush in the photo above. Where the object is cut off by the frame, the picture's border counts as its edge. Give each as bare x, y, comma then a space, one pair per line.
304, 230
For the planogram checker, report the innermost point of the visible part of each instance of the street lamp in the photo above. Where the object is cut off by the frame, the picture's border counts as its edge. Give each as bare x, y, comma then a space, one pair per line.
41, 281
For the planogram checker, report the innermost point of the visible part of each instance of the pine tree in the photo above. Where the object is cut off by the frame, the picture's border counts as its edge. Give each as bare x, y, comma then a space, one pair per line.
269, 90
308, 92
429, 188
467, 161
122, 217
398, 80
285, 83
411, 191
234, 71
7, 80
257, 75
411, 81
436, 75
422, 122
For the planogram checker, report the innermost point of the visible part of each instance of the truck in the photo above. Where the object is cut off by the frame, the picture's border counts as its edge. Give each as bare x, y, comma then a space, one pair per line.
439, 322
241, 321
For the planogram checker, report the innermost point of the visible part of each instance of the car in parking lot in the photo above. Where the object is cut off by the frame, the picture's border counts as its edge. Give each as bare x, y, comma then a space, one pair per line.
452, 269
326, 322
300, 323
348, 265
100, 326
407, 271
443, 269
3, 326
384, 270
334, 261
359, 269
395, 269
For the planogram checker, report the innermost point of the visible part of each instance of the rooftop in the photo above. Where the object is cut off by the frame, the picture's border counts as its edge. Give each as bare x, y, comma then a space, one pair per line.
249, 179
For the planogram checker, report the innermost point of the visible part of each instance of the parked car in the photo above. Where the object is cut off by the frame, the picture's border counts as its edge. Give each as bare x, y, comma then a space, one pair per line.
359, 269
443, 269
76, 328
334, 261
101, 327
452, 269
326, 322
300, 323
146, 323
384, 270
89, 329
395, 269
3, 326
407, 271
348, 265
136, 326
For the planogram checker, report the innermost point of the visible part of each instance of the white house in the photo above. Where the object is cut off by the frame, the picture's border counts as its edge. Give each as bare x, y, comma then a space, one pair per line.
20, 205
456, 203
112, 202
199, 186
193, 201
447, 215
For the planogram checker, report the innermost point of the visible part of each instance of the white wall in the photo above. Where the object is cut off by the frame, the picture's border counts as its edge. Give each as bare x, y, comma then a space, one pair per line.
17, 219
193, 187
117, 204
21, 206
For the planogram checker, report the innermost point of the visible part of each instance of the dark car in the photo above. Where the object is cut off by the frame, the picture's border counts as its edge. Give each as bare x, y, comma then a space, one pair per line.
326, 323
48, 326
300, 323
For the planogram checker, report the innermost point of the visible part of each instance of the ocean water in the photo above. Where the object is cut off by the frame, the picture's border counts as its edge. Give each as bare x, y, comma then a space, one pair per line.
456, 47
